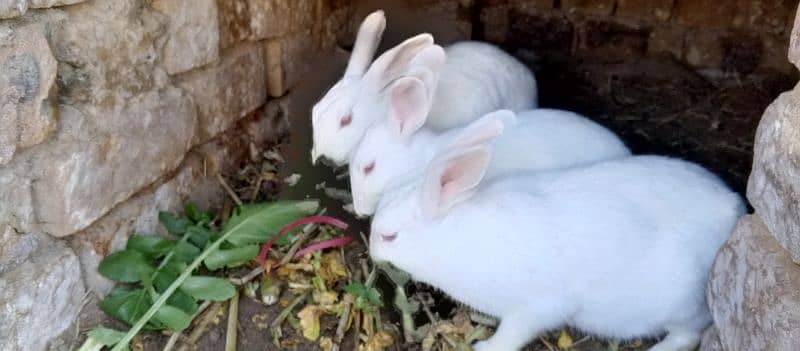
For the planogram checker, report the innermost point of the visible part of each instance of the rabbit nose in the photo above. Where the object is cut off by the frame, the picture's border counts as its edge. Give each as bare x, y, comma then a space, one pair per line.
389, 237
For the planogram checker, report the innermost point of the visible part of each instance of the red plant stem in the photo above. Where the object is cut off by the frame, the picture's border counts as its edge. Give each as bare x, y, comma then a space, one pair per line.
327, 244
262, 256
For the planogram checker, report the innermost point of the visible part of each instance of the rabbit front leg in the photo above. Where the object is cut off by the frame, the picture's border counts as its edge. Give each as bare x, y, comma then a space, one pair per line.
514, 332
678, 340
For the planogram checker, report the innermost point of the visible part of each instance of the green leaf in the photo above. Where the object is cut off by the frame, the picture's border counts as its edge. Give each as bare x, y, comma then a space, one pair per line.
185, 252
125, 266
106, 336
99, 337
125, 304
370, 294
196, 215
173, 318
221, 258
174, 225
198, 235
152, 246
208, 288
259, 222
183, 301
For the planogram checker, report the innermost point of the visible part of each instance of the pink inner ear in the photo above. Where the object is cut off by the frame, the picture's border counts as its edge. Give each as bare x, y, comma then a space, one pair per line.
401, 102
408, 102
449, 183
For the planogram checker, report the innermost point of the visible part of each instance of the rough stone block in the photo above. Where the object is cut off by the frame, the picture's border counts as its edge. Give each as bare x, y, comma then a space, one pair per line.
41, 4
288, 59
120, 60
87, 171
754, 291
774, 184
40, 297
705, 13
588, 7
710, 340
234, 22
12, 8
227, 91
667, 39
646, 10
270, 18
28, 111
193, 33
703, 49
252, 20
15, 248
794, 41
16, 190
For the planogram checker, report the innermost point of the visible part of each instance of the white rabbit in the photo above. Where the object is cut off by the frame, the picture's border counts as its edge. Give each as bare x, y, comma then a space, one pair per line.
459, 84
541, 139
619, 248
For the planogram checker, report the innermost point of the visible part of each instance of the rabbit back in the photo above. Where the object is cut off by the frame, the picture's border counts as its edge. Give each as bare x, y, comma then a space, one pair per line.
479, 78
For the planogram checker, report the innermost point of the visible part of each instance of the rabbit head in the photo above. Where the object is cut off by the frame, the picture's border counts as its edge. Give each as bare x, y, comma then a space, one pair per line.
334, 110
399, 75
403, 214
385, 158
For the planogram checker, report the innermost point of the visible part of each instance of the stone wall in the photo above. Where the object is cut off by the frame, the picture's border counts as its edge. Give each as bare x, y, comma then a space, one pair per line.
730, 35
754, 290
113, 110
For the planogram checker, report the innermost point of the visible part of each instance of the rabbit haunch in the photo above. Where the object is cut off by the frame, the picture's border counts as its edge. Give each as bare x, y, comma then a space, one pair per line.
620, 248
460, 83
540, 139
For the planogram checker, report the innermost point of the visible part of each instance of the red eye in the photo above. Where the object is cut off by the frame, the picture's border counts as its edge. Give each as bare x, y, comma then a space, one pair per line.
345, 121
368, 168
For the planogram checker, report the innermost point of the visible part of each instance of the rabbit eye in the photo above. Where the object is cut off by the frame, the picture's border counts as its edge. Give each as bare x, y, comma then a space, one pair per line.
345, 121
368, 168
389, 237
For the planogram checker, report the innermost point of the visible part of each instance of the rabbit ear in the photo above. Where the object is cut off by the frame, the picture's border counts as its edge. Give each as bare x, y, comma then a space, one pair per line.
411, 96
483, 131
409, 104
395, 62
367, 40
452, 178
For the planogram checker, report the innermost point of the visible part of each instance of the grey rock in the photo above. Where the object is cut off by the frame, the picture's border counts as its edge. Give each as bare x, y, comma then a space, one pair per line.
40, 297
193, 33
27, 88
774, 184
227, 91
89, 169
12, 8
754, 291
41, 4
710, 340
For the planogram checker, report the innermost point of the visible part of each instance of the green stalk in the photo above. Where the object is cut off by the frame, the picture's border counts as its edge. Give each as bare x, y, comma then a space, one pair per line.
171, 289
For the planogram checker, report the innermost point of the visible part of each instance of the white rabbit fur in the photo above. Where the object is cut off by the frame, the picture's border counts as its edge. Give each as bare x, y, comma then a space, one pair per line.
474, 79
620, 248
540, 139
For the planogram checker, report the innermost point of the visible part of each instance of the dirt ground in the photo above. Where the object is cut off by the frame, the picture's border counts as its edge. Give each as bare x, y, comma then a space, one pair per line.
655, 105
